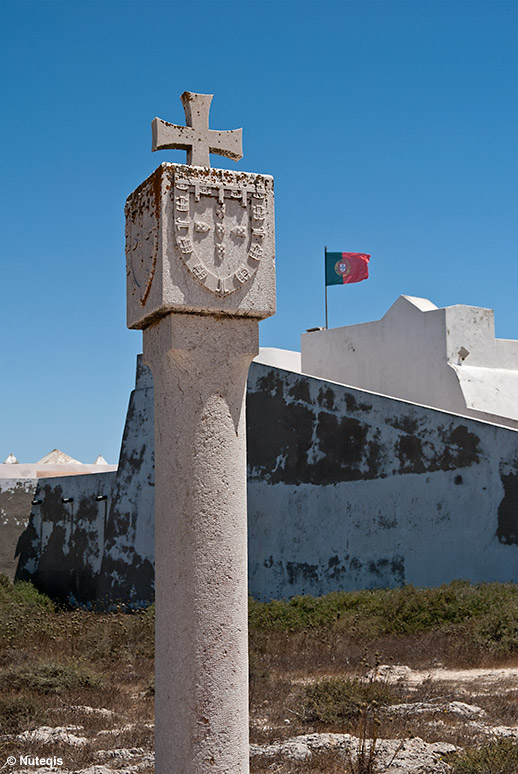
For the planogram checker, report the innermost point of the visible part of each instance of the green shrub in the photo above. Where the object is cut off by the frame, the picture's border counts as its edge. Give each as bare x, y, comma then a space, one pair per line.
401, 611
51, 677
336, 699
4, 581
257, 668
23, 594
498, 632
499, 756
16, 711
116, 636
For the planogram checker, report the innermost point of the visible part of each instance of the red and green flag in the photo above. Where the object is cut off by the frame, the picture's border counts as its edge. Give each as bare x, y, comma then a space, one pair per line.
342, 268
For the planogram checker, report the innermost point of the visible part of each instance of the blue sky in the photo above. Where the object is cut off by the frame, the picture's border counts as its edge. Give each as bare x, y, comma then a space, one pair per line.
389, 127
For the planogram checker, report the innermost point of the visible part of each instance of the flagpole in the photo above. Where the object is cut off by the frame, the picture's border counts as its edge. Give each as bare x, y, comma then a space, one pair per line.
325, 277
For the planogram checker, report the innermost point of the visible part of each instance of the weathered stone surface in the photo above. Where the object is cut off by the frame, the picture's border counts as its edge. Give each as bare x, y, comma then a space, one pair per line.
127, 570
200, 241
200, 367
62, 548
54, 735
385, 477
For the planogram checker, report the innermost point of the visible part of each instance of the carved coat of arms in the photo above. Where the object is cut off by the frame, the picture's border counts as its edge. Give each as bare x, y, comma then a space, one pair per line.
200, 240
219, 229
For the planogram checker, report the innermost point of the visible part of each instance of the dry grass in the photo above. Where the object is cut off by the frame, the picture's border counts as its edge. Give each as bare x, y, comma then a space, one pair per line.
325, 643
320, 763
54, 662
308, 664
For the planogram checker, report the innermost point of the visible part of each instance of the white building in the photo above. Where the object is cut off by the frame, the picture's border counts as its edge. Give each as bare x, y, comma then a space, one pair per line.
446, 358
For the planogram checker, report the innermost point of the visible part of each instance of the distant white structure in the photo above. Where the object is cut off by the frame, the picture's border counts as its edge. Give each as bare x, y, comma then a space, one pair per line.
447, 358
18, 483
57, 457
55, 463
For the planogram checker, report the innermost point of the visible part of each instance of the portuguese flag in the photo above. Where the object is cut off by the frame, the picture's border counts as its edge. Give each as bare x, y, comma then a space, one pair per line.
342, 268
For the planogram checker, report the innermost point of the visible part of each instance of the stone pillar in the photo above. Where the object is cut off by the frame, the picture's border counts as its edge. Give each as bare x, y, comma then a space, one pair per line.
200, 264
200, 366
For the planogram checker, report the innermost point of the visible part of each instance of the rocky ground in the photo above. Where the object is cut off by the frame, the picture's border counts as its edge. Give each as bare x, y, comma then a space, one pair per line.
77, 686
450, 707
462, 708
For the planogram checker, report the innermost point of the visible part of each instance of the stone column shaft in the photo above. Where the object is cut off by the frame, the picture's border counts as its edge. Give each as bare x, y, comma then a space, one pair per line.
200, 366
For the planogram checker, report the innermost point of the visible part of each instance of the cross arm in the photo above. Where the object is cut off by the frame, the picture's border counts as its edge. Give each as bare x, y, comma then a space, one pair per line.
227, 143
170, 136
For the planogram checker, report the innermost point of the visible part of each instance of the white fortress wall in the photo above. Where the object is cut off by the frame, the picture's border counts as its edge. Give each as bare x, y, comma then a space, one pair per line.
346, 489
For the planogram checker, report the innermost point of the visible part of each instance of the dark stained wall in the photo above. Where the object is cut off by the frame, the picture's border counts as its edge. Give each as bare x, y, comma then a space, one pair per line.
15, 504
349, 489
346, 489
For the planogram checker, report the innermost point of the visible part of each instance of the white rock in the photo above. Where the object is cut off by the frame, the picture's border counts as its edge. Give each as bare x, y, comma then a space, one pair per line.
391, 673
503, 730
464, 710
123, 753
98, 770
102, 711
457, 708
46, 734
408, 756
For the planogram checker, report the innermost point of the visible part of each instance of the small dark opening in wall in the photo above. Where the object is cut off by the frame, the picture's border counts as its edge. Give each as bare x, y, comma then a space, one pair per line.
458, 480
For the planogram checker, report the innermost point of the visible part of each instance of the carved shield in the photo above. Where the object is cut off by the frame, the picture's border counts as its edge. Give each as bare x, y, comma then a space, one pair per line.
219, 229
142, 244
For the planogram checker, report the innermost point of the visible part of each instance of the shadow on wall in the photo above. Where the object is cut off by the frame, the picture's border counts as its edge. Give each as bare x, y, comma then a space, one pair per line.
16, 495
90, 539
62, 548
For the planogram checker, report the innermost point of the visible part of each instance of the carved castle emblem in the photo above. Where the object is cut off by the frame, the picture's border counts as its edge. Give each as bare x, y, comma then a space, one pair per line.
219, 230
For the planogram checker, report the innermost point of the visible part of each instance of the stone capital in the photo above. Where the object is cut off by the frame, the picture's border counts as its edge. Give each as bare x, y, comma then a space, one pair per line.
200, 241
202, 338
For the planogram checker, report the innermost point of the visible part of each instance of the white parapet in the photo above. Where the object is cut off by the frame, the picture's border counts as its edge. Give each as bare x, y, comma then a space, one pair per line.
447, 358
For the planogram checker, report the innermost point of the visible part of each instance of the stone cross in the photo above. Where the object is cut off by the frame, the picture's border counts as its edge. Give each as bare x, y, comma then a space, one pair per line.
196, 138
200, 276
